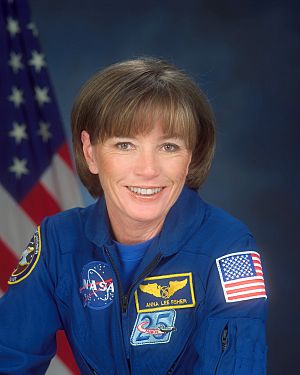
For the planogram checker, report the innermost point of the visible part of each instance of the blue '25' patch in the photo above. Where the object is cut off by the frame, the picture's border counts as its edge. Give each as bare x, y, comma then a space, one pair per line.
153, 328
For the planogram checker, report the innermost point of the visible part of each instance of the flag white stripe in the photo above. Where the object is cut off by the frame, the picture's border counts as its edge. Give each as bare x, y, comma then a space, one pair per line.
57, 367
256, 259
245, 298
247, 292
257, 278
245, 286
61, 183
16, 227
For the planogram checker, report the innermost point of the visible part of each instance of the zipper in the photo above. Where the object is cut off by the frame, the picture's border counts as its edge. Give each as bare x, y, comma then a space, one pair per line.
121, 293
124, 303
124, 298
224, 346
93, 371
174, 365
141, 277
186, 346
177, 360
224, 338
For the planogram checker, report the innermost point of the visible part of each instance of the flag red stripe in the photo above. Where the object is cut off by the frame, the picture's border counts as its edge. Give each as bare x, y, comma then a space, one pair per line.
39, 203
256, 280
65, 353
246, 289
64, 153
247, 295
8, 262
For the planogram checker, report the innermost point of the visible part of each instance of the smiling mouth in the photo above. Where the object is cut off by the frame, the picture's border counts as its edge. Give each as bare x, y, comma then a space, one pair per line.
145, 192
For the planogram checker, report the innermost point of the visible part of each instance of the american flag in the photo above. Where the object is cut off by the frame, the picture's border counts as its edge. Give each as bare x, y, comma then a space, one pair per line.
241, 276
36, 172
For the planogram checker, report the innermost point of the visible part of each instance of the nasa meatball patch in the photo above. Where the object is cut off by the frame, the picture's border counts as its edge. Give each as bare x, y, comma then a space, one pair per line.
28, 260
97, 287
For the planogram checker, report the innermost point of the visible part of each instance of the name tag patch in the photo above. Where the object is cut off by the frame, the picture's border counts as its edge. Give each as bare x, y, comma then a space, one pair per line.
153, 328
165, 292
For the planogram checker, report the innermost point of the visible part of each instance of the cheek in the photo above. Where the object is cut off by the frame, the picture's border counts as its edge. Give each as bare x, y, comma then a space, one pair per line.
112, 168
181, 169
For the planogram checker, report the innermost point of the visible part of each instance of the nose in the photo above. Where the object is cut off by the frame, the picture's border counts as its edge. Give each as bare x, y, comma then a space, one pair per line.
147, 164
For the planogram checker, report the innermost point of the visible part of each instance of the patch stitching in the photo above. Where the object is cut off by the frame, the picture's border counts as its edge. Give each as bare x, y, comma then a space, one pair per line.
158, 320
167, 307
91, 289
15, 277
241, 288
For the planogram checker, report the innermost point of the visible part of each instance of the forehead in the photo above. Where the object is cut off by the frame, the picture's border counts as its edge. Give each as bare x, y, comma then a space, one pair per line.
175, 121
157, 131
144, 122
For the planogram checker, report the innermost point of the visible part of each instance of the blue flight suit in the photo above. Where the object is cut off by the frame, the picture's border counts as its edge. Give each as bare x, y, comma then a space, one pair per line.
183, 314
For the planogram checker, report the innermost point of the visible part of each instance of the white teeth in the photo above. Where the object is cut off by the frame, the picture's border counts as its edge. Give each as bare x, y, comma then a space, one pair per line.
143, 191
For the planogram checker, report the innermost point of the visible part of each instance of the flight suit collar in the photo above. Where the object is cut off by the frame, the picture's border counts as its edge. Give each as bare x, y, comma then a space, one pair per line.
183, 218
97, 225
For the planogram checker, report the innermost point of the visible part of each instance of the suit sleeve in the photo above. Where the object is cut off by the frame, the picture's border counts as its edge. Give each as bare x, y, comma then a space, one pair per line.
231, 339
29, 317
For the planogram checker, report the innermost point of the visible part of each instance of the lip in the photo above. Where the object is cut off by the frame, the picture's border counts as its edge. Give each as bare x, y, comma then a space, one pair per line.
144, 196
147, 186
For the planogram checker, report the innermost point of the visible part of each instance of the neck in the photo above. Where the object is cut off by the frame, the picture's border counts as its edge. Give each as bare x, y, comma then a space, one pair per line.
127, 232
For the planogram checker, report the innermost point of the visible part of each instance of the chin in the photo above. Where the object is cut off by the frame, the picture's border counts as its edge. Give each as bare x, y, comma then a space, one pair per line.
146, 215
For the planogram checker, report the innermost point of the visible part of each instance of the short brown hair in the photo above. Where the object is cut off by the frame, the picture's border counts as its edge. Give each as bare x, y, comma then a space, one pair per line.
127, 98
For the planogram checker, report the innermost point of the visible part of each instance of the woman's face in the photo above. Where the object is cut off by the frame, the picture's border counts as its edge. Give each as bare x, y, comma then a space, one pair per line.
141, 177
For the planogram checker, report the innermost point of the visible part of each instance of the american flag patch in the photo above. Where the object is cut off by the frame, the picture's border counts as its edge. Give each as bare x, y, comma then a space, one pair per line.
241, 276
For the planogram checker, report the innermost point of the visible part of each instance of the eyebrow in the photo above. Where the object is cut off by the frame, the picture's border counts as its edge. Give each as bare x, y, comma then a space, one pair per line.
170, 137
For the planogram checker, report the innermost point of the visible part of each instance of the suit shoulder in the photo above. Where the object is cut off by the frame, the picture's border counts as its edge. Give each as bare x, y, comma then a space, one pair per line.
66, 228
220, 233
68, 217
223, 221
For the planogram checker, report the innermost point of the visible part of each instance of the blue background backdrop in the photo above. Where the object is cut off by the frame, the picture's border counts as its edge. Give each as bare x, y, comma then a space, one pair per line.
245, 56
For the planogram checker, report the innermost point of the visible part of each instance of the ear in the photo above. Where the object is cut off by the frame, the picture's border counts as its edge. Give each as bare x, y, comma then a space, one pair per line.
89, 152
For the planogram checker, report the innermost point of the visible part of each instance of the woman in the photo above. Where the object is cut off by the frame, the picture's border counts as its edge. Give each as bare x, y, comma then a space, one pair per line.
150, 279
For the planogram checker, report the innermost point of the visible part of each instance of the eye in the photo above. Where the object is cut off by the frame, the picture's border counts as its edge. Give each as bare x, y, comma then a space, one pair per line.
125, 146
170, 147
